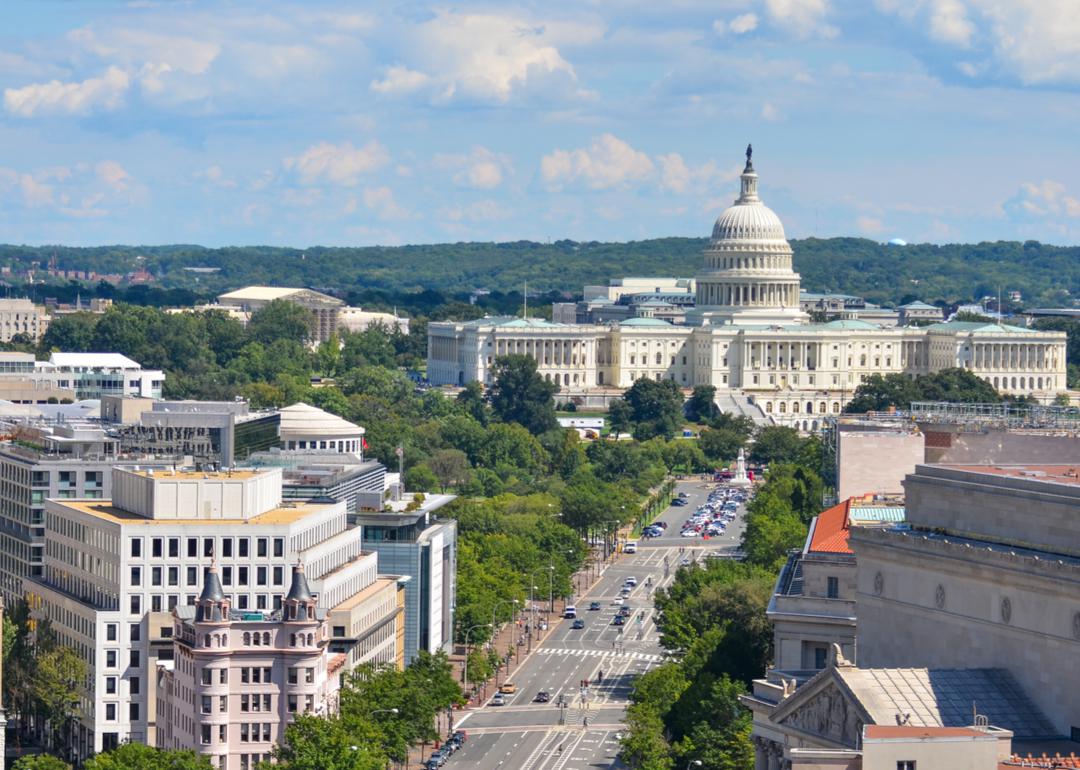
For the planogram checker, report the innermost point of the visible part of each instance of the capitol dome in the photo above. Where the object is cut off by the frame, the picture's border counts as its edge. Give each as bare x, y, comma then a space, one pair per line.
747, 220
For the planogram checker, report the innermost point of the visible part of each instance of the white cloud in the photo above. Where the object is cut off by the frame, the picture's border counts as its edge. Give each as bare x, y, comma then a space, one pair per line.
803, 18
1046, 199
339, 164
743, 23
949, 22
381, 201
76, 98
607, 163
480, 169
113, 175
487, 57
678, 177
771, 113
481, 211
399, 80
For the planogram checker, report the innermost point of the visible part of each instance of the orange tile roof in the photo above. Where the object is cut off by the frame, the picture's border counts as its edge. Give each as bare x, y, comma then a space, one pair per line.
831, 530
914, 731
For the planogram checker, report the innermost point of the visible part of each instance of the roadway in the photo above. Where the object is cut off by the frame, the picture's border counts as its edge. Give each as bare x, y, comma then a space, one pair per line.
524, 735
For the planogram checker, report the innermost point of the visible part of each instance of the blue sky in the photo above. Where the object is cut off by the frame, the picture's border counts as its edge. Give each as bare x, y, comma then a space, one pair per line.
387, 123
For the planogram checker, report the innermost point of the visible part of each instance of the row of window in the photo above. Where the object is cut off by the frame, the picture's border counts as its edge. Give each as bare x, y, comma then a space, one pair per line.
159, 546
171, 576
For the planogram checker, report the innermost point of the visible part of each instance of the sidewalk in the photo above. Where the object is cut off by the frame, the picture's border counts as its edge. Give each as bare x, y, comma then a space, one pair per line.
504, 642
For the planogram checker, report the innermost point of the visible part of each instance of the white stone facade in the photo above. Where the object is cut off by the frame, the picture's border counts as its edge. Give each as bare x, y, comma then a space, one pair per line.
112, 575
748, 336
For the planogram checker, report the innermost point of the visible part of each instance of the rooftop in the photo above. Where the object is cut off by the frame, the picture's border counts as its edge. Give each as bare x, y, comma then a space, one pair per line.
831, 527
1050, 474
887, 732
270, 293
93, 360
287, 513
307, 420
186, 474
980, 327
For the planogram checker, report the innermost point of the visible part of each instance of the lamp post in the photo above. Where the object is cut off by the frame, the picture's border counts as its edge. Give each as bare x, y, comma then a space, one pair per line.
383, 711
465, 670
551, 588
494, 609
693, 763
532, 614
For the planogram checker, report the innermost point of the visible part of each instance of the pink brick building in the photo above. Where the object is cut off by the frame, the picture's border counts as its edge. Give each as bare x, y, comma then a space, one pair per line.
238, 677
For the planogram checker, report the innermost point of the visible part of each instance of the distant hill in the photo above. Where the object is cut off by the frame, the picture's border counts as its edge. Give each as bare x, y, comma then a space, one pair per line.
884, 274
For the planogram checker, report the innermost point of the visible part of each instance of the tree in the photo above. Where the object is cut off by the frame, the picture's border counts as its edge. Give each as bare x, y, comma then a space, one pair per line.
721, 445
773, 444
471, 401
450, 466
956, 385
137, 756
40, 762
58, 680
521, 395
280, 320
655, 408
878, 392
322, 743
701, 406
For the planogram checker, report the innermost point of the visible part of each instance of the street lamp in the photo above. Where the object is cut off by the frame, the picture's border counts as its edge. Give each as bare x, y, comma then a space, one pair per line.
551, 588
693, 763
465, 671
383, 711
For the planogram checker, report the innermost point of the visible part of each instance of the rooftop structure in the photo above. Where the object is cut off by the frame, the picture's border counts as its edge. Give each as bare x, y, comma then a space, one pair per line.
307, 427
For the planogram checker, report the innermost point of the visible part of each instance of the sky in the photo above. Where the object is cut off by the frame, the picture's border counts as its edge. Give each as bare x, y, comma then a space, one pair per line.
362, 123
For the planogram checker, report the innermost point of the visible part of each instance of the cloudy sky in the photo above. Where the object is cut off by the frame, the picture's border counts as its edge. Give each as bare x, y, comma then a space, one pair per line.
363, 123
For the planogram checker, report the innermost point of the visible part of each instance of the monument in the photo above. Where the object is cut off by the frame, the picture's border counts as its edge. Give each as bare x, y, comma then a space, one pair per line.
741, 479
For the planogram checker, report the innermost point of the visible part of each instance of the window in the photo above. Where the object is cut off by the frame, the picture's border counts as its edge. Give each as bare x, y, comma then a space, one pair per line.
110, 712
136, 576
207, 705
156, 545
262, 547
110, 685
905, 764
242, 547
136, 547
279, 576
292, 704
133, 712
208, 547
174, 548
279, 547
110, 632
133, 660
135, 632
174, 576
309, 676
226, 547
292, 675
192, 547
205, 735
339, 630
242, 575
206, 676
136, 604
134, 684
192, 576
244, 701
110, 658
833, 589
226, 576
224, 676
260, 576
155, 576
820, 657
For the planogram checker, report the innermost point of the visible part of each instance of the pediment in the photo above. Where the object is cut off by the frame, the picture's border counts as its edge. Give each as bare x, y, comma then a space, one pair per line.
825, 710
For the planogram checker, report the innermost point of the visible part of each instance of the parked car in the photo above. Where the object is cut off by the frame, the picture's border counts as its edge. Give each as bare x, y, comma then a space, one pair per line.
459, 737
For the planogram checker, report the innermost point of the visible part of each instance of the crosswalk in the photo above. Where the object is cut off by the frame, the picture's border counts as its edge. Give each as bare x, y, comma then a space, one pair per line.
645, 656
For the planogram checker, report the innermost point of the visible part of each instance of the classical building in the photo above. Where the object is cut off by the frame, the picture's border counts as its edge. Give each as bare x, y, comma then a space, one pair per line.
963, 615
304, 426
748, 336
115, 569
22, 316
323, 308
246, 674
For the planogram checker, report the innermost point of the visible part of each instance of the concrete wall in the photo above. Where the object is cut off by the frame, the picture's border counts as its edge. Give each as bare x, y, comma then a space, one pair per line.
948, 444
974, 753
872, 461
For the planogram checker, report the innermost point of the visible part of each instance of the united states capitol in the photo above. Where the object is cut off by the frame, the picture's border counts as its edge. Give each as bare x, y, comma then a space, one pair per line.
739, 327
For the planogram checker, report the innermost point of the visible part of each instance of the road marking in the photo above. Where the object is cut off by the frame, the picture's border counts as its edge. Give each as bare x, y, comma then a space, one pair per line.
644, 656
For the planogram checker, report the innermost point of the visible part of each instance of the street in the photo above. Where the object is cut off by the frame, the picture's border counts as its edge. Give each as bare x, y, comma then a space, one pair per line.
524, 735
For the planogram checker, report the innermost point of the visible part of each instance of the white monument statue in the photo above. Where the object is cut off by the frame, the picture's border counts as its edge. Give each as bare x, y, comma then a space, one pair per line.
740, 479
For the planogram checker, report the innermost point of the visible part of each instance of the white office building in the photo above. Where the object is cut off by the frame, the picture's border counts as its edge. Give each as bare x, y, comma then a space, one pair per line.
114, 570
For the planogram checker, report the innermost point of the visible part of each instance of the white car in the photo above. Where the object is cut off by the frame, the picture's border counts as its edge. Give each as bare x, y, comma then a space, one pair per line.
618, 600
689, 533
631, 581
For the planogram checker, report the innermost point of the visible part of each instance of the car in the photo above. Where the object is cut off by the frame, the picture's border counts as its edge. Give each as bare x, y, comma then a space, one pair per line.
680, 501
624, 611
661, 524
631, 581
498, 700
570, 612
431, 764
689, 533
618, 600
630, 546
542, 697
686, 562
459, 737
593, 606
683, 495
578, 624
508, 688
626, 591
619, 620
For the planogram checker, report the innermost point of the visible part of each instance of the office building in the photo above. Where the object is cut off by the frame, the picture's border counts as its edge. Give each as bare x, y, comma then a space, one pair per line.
115, 569
420, 546
318, 474
246, 674
22, 317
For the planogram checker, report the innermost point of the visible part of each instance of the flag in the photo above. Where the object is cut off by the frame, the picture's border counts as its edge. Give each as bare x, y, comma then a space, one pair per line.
363, 442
